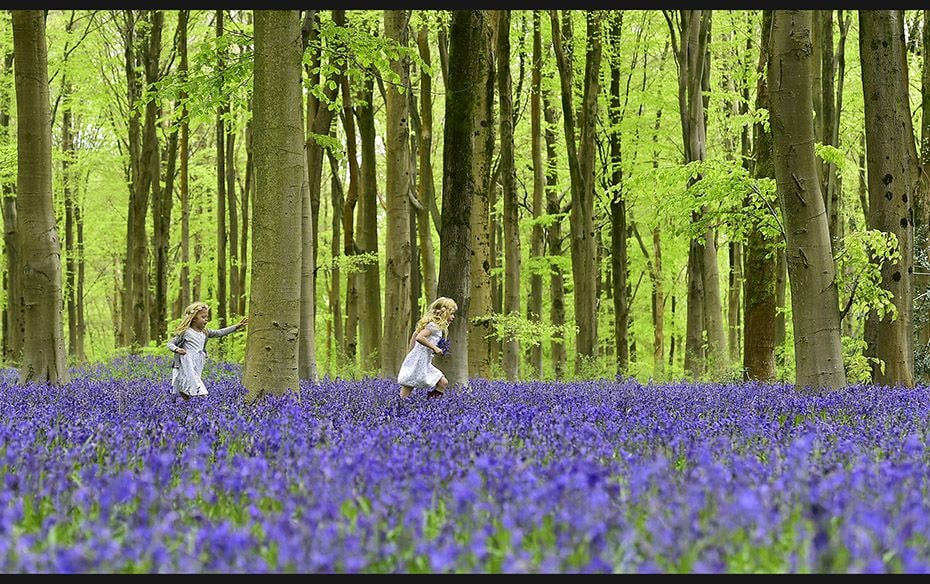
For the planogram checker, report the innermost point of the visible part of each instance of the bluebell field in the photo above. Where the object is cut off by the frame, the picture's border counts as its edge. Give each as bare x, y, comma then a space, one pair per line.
112, 474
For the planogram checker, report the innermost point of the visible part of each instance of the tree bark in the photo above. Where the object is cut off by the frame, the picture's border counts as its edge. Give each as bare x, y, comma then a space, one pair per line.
893, 183
44, 345
397, 224
761, 269
271, 364
814, 304
467, 52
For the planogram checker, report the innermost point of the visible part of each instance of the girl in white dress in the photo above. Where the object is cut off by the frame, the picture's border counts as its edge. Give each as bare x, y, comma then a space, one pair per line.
190, 349
418, 370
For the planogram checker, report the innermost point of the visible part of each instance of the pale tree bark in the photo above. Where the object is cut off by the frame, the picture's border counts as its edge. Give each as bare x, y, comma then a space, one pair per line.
761, 268
246, 198
814, 304
893, 168
44, 359
534, 305
397, 224
581, 169
271, 364
370, 315
508, 178
480, 307
467, 53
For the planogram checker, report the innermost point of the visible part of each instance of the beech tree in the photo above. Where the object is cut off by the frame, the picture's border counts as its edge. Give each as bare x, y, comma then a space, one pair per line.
44, 343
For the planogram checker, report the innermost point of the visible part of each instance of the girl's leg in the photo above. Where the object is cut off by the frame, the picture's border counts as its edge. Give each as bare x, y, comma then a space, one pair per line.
440, 389
405, 390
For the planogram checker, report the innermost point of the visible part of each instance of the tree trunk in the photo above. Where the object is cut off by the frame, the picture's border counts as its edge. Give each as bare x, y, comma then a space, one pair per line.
759, 330
370, 315
467, 54
581, 169
271, 364
893, 168
44, 345
618, 219
814, 304
221, 231
508, 176
480, 306
426, 191
184, 290
554, 241
534, 305
922, 200
397, 193
12, 275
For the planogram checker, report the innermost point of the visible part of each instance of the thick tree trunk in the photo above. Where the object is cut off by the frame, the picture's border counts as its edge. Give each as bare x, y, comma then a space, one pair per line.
44, 345
467, 52
271, 363
893, 168
814, 304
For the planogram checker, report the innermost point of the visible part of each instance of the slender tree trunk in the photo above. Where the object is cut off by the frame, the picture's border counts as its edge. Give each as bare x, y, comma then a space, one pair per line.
534, 305
349, 247
480, 304
426, 191
759, 320
922, 200
554, 241
581, 169
184, 291
370, 315
12, 276
893, 168
221, 230
337, 199
814, 304
271, 361
397, 235
508, 173
618, 218
44, 345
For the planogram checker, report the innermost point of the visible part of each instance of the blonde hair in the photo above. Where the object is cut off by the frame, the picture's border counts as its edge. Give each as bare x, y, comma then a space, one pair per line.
189, 313
438, 313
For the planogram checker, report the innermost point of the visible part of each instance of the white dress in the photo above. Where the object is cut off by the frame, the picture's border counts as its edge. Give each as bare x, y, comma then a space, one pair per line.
187, 369
418, 370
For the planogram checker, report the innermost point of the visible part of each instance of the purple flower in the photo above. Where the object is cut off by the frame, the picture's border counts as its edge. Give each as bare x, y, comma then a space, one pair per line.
444, 345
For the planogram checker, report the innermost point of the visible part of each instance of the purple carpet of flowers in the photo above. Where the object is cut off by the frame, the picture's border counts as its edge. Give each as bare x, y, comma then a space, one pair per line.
112, 474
